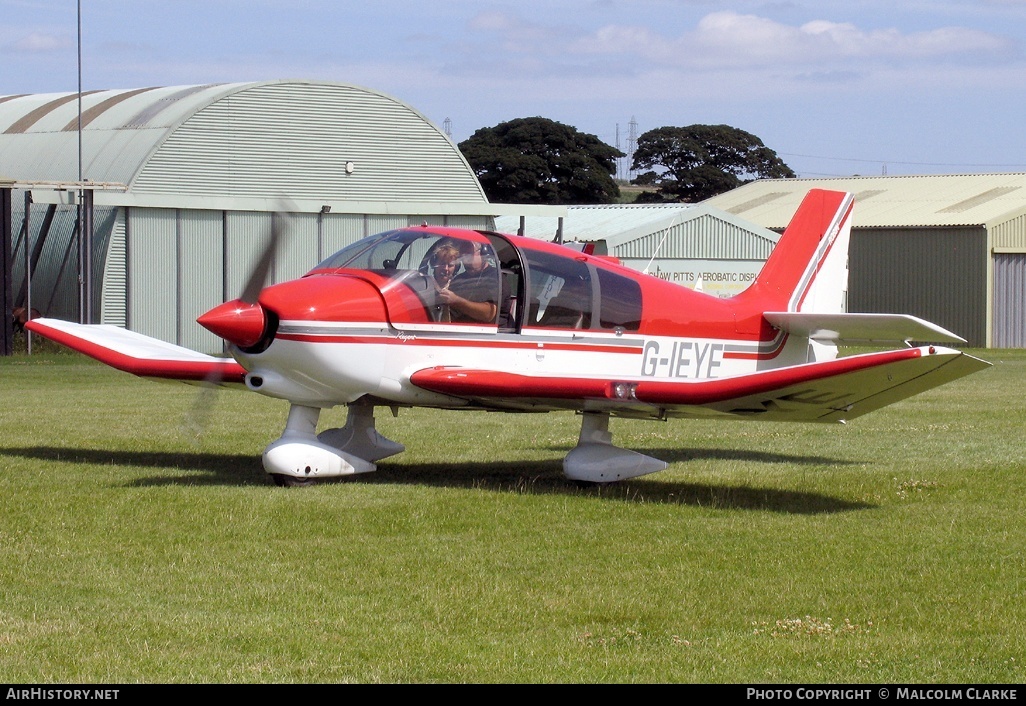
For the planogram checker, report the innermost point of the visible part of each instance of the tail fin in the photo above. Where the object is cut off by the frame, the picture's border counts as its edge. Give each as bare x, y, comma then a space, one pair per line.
808, 269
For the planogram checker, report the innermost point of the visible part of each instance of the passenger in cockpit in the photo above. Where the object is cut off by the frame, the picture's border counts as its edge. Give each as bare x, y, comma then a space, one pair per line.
445, 260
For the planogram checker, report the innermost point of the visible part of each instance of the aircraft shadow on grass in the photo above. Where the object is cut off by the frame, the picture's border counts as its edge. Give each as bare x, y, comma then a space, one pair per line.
540, 478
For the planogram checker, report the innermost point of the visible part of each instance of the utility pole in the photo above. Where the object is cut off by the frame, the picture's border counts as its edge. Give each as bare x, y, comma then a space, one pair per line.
6, 288
84, 273
632, 146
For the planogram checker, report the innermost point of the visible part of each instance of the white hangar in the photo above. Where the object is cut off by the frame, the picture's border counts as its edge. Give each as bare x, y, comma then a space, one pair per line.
184, 183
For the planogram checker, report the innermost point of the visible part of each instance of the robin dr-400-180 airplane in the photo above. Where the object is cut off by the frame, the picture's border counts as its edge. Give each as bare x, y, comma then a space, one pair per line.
463, 319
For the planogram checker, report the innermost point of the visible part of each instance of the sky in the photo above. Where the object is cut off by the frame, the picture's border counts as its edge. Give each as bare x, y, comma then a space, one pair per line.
834, 87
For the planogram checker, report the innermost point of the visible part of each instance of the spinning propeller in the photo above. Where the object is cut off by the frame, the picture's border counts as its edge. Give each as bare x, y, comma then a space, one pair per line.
242, 322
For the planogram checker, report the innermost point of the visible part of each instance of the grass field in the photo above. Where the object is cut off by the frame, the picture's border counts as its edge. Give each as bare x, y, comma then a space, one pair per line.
888, 550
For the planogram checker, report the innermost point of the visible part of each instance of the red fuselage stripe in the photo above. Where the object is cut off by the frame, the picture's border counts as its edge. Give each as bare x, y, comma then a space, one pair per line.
418, 340
487, 383
768, 355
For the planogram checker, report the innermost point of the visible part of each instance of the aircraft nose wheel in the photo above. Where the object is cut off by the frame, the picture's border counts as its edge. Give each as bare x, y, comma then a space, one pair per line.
283, 481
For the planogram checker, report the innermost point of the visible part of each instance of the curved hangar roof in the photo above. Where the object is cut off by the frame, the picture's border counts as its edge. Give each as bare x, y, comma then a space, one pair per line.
323, 141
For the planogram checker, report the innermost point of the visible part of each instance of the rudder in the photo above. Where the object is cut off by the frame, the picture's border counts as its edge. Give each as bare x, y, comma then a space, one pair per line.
808, 269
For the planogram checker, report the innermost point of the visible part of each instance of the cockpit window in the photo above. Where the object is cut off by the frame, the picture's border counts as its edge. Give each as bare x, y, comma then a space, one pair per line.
570, 293
621, 301
456, 278
476, 278
391, 250
560, 292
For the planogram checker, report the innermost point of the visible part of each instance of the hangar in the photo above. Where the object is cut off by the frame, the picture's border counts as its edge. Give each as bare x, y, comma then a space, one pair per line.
695, 245
948, 248
184, 183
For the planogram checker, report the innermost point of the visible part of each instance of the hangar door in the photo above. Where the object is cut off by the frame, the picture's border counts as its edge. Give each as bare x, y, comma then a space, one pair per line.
1010, 300
937, 274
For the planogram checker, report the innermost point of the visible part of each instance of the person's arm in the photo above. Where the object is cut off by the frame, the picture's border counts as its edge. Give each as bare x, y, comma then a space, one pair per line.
479, 311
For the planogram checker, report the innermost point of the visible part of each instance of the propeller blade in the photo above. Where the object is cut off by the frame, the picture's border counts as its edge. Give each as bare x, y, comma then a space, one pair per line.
280, 226
198, 418
258, 276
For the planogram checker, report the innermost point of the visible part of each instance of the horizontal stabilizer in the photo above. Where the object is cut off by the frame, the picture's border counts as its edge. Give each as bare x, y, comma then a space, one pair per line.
138, 354
861, 327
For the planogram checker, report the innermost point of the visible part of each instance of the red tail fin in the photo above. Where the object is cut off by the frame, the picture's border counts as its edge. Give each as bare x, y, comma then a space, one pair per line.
808, 268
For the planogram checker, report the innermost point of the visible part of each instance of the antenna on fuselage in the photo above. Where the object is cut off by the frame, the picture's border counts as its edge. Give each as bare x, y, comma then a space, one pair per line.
661, 241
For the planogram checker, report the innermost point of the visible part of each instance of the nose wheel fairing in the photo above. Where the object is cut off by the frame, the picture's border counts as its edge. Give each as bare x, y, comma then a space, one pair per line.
301, 454
359, 437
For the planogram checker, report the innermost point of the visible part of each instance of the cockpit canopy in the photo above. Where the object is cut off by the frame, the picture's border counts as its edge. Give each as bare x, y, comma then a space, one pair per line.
406, 249
531, 284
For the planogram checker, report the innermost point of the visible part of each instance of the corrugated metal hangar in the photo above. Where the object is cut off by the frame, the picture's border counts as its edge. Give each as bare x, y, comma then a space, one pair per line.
185, 181
948, 248
695, 245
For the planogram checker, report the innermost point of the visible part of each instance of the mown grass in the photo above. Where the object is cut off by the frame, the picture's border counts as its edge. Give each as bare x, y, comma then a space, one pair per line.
887, 550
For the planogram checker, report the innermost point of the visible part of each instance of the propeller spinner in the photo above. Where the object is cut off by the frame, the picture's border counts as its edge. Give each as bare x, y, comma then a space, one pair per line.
243, 322
237, 322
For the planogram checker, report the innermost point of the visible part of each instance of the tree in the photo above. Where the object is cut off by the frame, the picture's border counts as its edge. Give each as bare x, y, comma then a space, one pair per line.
540, 161
699, 161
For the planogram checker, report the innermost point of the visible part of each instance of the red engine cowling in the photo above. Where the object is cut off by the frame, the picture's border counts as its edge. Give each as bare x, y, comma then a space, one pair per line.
332, 297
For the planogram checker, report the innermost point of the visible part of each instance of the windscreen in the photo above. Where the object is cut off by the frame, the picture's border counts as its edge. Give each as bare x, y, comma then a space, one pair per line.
456, 277
391, 250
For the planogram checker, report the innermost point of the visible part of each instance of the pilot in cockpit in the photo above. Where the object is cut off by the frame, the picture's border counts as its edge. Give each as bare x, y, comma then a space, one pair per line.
472, 294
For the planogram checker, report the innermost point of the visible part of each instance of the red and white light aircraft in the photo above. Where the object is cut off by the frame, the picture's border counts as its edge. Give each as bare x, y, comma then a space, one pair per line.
391, 321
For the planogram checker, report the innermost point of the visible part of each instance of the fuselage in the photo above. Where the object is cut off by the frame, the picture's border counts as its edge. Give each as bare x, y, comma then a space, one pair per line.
363, 322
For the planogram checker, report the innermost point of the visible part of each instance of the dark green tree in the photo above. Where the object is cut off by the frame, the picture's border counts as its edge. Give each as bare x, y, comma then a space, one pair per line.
540, 161
697, 162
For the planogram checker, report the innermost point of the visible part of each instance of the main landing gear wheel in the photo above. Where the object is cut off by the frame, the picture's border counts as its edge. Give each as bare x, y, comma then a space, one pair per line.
283, 481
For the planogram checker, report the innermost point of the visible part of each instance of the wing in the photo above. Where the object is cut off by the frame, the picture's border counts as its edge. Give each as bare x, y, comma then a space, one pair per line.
829, 391
138, 354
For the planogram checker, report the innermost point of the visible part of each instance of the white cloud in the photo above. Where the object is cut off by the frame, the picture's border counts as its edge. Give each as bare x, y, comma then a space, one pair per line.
723, 39
37, 42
